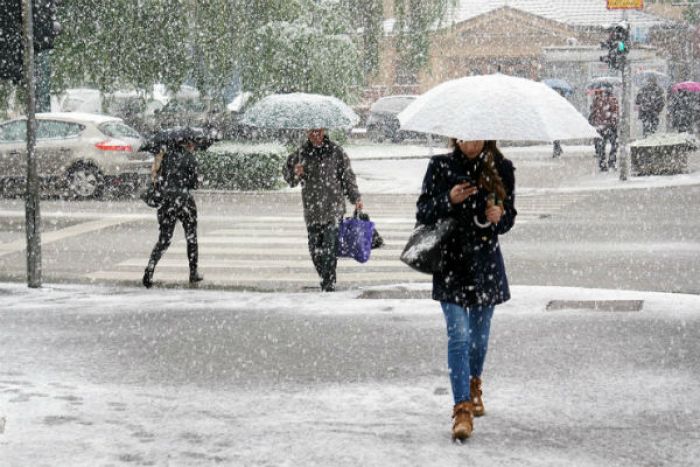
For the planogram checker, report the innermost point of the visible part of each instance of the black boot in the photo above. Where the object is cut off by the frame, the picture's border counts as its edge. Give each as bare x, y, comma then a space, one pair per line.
196, 277
148, 278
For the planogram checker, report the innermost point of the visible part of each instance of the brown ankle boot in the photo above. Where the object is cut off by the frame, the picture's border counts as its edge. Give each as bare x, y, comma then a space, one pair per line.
475, 396
463, 421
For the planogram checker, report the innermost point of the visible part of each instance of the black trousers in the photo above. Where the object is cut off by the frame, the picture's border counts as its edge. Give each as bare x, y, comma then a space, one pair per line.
650, 123
181, 209
609, 133
323, 244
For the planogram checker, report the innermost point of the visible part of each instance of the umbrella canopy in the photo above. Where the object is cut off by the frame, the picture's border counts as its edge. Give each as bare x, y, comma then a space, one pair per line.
690, 86
495, 107
300, 111
178, 135
559, 85
604, 82
641, 78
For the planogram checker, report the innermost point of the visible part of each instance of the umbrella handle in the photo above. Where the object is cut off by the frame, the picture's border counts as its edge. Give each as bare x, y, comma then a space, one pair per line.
479, 224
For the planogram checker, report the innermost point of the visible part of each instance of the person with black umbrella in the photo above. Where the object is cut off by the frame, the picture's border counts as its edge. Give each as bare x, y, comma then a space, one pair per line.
175, 174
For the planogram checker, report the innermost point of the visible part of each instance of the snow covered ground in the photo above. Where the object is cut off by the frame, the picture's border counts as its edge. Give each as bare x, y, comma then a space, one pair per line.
89, 376
398, 168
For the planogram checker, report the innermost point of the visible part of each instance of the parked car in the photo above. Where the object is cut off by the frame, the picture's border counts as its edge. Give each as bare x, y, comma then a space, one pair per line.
79, 152
194, 112
383, 123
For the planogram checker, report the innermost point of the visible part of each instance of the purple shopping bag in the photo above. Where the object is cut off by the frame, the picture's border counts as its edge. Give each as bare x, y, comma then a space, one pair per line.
355, 239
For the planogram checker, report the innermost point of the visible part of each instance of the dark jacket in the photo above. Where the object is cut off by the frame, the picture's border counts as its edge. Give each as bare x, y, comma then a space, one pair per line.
472, 272
683, 107
177, 174
604, 110
650, 100
328, 177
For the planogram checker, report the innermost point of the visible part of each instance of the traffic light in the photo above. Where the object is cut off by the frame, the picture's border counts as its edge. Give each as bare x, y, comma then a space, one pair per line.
11, 40
617, 46
46, 28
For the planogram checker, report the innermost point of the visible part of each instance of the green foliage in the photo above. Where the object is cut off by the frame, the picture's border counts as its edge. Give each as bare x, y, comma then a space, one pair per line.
230, 166
120, 43
415, 20
366, 18
321, 46
304, 49
692, 14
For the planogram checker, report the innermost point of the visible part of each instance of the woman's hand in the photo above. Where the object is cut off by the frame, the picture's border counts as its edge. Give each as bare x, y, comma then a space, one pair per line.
494, 213
461, 192
299, 170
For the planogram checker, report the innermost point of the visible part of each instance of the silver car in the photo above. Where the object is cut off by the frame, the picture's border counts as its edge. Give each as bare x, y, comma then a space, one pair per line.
83, 153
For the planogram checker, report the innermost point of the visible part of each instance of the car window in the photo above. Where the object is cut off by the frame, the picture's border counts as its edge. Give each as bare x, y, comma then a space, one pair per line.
118, 130
188, 105
13, 131
53, 129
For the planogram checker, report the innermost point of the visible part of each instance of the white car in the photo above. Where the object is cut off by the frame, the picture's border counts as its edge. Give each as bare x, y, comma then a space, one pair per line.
84, 153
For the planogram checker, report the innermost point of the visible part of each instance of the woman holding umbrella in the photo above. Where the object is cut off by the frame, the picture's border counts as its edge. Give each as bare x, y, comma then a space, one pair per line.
474, 185
175, 173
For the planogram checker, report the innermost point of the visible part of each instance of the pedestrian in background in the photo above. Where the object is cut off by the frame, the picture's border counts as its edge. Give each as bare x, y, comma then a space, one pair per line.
556, 149
650, 101
175, 173
475, 186
326, 177
604, 116
683, 109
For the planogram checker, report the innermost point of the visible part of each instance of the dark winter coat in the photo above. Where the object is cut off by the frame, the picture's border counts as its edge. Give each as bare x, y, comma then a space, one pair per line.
177, 174
683, 108
650, 100
604, 111
327, 179
472, 272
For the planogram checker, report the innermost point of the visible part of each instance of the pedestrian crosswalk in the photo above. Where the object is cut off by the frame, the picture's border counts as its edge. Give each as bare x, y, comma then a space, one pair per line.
270, 252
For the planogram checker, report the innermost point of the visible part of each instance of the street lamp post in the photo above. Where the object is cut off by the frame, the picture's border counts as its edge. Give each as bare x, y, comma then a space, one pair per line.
33, 218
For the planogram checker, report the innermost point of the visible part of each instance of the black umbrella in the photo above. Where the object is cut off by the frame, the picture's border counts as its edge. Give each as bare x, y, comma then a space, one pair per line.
179, 135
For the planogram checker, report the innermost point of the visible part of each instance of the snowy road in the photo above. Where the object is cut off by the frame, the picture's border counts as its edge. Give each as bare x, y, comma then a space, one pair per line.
120, 376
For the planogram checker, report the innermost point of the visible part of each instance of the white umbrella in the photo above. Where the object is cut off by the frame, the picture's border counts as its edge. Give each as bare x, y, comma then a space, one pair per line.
300, 111
496, 107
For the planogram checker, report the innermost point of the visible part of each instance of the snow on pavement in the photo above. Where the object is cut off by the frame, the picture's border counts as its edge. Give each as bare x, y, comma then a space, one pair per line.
399, 169
561, 388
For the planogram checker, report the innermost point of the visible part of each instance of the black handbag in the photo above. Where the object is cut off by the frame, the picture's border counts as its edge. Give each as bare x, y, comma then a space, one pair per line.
377, 240
152, 195
422, 251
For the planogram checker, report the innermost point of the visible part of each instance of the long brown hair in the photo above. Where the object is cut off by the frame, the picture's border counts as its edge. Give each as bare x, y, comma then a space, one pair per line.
489, 180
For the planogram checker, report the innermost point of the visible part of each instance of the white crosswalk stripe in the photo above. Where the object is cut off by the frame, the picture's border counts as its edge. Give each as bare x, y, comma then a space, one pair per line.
270, 252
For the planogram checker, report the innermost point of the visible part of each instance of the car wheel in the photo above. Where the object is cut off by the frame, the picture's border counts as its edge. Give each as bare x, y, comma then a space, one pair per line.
85, 181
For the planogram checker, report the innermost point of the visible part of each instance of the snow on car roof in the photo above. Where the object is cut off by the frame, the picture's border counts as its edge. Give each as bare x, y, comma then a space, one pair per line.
78, 117
393, 104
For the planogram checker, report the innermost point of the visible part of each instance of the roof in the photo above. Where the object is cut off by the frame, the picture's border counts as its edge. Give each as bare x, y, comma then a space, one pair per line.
577, 13
572, 12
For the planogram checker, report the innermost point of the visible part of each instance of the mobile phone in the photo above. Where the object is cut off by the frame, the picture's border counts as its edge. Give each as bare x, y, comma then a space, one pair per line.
465, 178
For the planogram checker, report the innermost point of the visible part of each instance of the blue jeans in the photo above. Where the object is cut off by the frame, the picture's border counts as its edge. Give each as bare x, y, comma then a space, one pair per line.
467, 342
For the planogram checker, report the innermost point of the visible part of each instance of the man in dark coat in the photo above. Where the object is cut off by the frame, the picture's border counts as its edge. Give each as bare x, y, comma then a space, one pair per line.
176, 176
650, 100
326, 177
604, 117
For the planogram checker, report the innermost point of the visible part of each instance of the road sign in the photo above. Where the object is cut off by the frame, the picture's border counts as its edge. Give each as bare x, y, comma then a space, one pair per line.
625, 4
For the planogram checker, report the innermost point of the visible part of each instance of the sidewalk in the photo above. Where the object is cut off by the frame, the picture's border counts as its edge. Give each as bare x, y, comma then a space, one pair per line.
119, 376
394, 168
